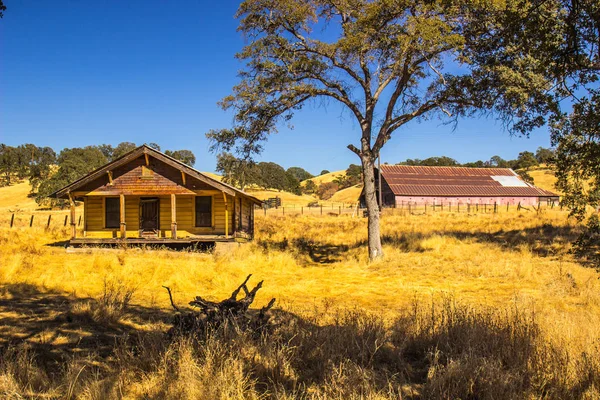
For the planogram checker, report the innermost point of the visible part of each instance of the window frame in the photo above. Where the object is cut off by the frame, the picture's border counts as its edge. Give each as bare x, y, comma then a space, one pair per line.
210, 221
105, 213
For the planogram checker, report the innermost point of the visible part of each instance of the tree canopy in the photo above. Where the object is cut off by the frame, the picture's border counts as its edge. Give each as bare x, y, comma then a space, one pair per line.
72, 165
387, 63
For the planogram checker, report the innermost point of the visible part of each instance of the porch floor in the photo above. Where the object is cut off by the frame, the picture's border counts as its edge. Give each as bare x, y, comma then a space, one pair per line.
155, 241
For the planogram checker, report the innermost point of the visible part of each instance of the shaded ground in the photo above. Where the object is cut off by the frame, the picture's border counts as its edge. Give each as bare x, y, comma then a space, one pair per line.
56, 325
545, 240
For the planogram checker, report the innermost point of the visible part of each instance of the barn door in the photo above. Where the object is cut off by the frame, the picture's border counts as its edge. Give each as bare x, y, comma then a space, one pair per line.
149, 218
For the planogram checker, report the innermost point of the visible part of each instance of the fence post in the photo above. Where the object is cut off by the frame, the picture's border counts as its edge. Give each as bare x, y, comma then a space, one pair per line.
495, 208
49, 218
321, 209
507, 204
265, 208
425, 208
458, 206
340, 211
66, 216
12, 220
31, 221
302, 210
282, 210
79, 223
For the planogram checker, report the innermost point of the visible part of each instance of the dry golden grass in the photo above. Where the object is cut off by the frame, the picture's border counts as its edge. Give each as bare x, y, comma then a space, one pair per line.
347, 196
15, 197
214, 176
326, 177
461, 306
287, 199
544, 178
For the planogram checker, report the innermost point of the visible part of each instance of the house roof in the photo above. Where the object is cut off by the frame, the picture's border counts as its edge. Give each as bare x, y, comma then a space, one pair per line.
407, 180
140, 151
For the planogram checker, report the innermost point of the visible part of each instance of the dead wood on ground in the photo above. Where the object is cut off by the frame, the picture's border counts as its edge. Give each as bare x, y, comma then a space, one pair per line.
232, 312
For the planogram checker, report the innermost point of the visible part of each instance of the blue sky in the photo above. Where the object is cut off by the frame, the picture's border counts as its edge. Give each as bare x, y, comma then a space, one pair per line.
75, 73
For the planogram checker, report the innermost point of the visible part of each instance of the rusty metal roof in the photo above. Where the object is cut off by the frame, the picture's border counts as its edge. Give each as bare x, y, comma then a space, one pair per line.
407, 180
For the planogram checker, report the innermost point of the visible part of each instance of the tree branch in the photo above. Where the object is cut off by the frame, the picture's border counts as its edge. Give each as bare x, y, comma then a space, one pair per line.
171, 298
354, 149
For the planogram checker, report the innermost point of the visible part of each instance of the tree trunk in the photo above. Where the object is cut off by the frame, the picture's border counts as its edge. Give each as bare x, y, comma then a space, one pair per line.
374, 235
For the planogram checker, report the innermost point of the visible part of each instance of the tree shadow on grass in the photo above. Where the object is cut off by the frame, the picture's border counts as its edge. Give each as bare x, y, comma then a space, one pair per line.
56, 325
544, 241
452, 352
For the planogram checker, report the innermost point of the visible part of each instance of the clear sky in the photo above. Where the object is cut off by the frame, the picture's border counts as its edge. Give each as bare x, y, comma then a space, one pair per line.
76, 73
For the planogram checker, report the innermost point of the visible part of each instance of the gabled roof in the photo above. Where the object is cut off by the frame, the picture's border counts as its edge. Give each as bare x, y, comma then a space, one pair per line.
407, 180
140, 151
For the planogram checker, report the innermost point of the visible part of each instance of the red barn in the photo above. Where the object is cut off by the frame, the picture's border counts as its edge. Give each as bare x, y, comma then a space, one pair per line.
405, 184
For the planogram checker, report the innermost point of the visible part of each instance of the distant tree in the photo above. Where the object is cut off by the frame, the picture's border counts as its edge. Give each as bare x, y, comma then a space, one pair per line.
410, 161
299, 173
185, 156
235, 171
72, 165
40, 168
442, 161
342, 181
324, 172
292, 184
476, 164
154, 146
271, 176
352, 176
526, 160
2, 9
354, 172
107, 150
326, 190
544, 156
499, 162
8, 163
524, 174
122, 149
309, 187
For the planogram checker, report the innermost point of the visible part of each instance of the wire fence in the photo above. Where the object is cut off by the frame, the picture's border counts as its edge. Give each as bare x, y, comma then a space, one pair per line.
407, 209
61, 219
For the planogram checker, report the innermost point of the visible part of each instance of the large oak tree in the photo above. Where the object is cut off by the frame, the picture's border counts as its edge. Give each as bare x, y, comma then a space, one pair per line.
389, 63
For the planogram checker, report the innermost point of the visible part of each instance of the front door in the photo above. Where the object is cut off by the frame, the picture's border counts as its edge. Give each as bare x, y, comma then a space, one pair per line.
149, 218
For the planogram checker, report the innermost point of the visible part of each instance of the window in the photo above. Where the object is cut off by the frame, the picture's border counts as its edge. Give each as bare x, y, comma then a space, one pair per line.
203, 211
112, 212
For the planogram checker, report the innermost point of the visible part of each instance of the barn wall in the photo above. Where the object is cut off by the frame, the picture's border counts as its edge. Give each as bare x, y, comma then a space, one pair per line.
185, 216
525, 201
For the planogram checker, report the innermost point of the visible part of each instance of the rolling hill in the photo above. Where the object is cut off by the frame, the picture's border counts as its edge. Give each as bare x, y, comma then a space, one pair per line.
15, 197
325, 177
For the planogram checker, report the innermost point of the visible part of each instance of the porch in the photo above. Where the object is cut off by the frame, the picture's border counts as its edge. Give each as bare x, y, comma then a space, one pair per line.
154, 241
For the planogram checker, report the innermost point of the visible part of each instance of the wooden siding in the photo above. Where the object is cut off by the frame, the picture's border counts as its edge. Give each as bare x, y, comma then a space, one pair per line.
135, 178
185, 216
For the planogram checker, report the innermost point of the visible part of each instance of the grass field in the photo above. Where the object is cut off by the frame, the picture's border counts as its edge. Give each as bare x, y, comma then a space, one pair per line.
318, 180
462, 306
544, 178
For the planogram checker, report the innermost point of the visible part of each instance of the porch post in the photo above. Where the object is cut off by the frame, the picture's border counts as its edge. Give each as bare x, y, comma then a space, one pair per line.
226, 216
173, 217
73, 223
122, 214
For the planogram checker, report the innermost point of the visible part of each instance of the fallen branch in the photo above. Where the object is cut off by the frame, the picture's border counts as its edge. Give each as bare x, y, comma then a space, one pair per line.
230, 311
